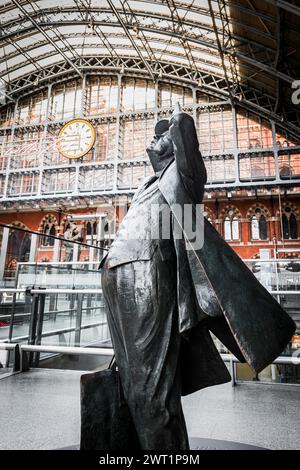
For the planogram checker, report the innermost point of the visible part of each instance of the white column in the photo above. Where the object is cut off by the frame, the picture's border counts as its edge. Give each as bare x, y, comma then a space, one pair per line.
56, 250
33, 247
75, 252
91, 257
100, 235
273, 372
3, 251
265, 268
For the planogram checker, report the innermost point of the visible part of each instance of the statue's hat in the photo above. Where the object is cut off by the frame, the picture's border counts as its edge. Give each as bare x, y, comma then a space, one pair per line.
162, 126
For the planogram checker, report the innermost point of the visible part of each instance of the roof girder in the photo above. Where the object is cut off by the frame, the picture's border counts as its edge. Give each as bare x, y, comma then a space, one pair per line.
253, 48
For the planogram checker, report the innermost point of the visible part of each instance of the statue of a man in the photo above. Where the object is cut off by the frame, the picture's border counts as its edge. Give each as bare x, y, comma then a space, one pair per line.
72, 234
164, 298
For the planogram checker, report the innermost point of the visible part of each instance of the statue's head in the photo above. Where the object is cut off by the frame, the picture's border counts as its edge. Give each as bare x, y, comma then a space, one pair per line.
161, 150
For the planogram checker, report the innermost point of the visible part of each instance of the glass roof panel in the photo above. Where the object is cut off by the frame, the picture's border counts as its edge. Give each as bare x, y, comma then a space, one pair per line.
146, 29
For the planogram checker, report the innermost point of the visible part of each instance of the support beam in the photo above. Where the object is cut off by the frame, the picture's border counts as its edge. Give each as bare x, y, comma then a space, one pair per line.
129, 36
46, 35
221, 51
288, 6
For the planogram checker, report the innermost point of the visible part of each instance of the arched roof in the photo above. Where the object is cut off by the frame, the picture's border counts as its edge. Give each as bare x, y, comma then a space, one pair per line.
244, 50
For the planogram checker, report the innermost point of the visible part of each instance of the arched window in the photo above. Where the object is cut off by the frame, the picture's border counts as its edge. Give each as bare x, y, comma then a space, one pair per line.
18, 249
289, 224
259, 225
95, 228
48, 229
53, 233
91, 230
231, 226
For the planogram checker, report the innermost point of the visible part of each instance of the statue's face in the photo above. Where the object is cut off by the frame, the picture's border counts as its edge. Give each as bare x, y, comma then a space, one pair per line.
160, 151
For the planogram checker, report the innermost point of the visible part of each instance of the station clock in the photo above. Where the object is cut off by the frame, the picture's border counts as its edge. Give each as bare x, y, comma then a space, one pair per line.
76, 138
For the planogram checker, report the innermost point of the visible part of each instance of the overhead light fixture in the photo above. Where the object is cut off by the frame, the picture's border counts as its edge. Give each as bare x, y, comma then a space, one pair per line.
122, 69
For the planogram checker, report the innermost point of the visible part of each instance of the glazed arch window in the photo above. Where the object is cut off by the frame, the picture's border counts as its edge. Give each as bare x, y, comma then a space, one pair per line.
289, 224
48, 229
231, 226
259, 229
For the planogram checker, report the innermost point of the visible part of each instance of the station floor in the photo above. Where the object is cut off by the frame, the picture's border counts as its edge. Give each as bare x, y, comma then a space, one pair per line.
40, 410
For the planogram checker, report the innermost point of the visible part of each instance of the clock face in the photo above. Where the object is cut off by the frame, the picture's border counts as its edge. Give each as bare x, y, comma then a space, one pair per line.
76, 138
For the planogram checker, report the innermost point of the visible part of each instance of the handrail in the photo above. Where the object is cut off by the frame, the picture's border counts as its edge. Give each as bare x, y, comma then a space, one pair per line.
12, 290
279, 360
50, 263
40, 268
66, 291
8, 346
42, 290
94, 291
100, 351
26, 348
285, 292
67, 350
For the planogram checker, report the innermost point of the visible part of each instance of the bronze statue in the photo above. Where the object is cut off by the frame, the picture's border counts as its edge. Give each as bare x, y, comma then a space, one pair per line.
73, 233
164, 297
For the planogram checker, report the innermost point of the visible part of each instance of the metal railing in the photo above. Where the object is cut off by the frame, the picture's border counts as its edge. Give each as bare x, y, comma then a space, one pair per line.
58, 274
55, 317
64, 315
24, 353
284, 360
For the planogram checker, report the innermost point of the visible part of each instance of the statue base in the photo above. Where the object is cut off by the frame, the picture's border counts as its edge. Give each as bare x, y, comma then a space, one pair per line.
198, 443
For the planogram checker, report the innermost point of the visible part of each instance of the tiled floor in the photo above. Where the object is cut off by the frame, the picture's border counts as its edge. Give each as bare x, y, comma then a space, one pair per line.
40, 410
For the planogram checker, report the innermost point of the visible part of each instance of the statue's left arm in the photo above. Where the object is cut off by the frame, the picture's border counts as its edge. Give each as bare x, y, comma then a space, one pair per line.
188, 158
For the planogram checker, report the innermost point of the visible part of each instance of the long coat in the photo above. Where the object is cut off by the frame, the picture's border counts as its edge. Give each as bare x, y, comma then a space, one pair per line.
215, 289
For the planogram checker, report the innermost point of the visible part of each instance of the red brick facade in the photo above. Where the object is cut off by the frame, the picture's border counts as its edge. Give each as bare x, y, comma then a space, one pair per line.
216, 211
